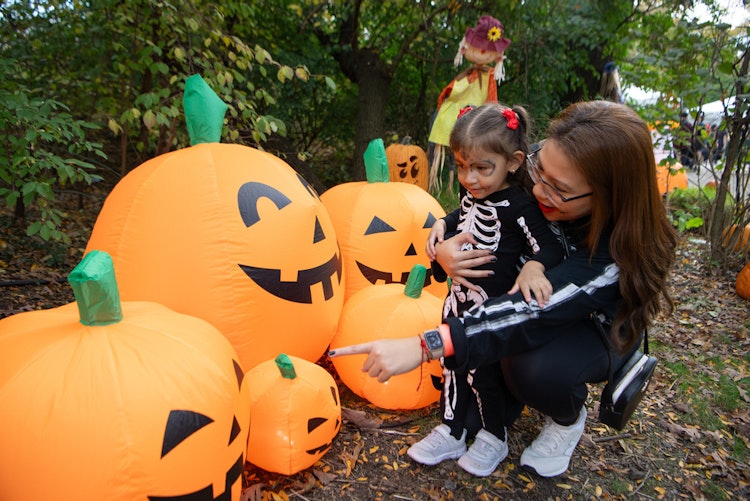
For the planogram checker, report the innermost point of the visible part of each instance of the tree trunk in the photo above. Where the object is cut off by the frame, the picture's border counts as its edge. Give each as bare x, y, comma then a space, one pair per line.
374, 82
737, 127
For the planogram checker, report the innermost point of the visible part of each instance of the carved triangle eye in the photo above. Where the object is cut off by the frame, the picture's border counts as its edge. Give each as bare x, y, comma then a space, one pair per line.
429, 221
377, 225
180, 425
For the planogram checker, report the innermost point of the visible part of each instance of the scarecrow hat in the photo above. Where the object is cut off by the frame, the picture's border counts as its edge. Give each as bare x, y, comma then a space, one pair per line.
487, 35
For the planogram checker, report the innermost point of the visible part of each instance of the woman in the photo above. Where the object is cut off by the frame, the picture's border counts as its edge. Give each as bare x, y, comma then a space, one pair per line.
595, 174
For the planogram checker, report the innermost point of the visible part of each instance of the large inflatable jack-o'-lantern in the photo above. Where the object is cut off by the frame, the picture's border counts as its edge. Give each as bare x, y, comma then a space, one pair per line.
382, 227
229, 234
118, 401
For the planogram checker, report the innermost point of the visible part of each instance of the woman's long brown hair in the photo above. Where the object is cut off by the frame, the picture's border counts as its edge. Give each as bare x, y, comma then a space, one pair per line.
612, 146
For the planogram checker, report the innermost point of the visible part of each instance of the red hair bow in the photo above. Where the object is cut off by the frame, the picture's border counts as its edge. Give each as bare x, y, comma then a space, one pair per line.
463, 111
511, 117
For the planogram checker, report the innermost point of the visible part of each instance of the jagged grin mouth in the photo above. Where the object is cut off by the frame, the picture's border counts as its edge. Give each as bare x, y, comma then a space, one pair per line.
373, 276
299, 291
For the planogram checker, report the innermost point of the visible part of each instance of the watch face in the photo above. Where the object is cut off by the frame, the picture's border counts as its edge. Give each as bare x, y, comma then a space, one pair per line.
433, 339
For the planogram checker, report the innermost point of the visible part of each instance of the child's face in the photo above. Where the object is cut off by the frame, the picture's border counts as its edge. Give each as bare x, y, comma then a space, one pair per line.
483, 172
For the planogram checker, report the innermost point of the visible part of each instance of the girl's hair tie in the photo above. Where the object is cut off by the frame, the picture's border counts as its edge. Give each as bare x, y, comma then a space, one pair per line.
510, 116
463, 111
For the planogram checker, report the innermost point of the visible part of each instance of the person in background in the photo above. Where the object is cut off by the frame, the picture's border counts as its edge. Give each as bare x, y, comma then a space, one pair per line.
595, 174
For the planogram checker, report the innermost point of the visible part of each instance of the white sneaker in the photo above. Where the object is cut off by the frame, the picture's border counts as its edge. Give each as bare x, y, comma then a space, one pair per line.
550, 453
484, 454
438, 446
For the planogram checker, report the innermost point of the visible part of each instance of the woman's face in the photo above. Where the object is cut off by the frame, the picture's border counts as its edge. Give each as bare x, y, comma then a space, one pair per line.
559, 186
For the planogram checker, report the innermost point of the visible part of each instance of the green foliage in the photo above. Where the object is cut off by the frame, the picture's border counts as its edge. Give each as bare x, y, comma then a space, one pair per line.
42, 147
688, 208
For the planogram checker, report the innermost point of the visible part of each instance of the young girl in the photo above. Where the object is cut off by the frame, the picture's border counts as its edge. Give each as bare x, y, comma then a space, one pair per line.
490, 145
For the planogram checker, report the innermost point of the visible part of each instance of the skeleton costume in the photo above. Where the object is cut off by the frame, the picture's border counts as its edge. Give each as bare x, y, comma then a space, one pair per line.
510, 224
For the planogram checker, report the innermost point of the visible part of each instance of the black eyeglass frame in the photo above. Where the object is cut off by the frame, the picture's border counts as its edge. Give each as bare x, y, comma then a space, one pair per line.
536, 176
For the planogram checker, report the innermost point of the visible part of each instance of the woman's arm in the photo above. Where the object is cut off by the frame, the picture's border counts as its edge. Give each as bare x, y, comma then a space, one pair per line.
508, 324
461, 265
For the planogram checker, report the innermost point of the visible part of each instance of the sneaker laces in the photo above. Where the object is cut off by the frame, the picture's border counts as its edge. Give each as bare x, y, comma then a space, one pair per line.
435, 439
550, 438
486, 449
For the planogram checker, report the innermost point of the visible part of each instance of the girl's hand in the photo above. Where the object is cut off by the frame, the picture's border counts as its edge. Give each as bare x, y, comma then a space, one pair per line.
386, 357
437, 233
531, 280
459, 264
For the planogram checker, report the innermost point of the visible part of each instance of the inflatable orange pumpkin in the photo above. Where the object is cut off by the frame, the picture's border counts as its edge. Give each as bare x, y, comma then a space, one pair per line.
382, 227
737, 241
391, 311
671, 177
407, 163
296, 414
130, 402
232, 235
742, 285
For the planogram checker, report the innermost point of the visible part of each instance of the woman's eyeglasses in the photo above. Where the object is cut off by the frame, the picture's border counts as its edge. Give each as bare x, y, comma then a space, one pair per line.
532, 165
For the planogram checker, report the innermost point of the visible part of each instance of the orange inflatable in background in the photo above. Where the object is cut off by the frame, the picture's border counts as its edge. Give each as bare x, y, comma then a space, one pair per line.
296, 414
110, 401
382, 227
670, 174
389, 311
671, 177
232, 235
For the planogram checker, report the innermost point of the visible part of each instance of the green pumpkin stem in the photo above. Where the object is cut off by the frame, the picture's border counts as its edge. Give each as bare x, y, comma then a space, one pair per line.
204, 111
286, 367
415, 282
376, 162
95, 289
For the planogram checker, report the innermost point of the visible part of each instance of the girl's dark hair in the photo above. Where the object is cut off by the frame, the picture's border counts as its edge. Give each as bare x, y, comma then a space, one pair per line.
486, 128
611, 145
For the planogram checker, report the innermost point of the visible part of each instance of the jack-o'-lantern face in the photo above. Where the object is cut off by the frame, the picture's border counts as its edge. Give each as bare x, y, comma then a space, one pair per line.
322, 429
407, 163
382, 229
300, 290
184, 427
232, 235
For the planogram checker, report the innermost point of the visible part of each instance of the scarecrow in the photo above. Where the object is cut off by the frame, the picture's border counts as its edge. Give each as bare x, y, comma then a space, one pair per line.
482, 45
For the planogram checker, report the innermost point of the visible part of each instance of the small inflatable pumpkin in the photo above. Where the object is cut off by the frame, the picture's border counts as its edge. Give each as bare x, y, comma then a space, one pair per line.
108, 401
382, 227
407, 163
390, 311
296, 414
232, 235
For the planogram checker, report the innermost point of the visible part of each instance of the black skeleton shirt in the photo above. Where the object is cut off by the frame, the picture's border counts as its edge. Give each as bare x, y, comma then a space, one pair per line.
511, 225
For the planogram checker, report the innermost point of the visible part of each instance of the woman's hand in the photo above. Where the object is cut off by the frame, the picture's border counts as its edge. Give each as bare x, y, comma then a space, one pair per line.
437, 233
531, 280
386, 357
459, 264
